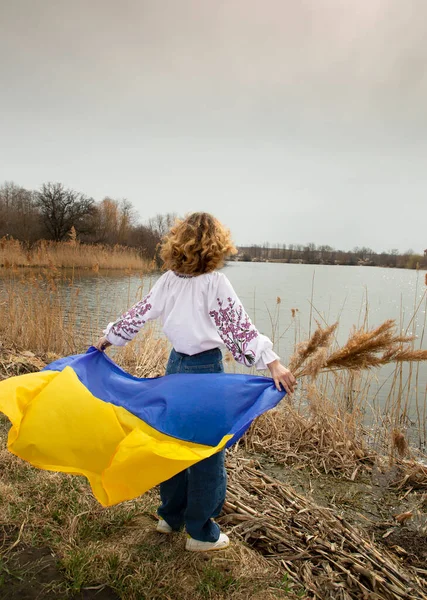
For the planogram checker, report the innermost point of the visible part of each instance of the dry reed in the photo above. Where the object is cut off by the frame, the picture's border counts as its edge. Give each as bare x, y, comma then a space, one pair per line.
307, 351
145, 356
363, 350
323, 437
35, 315
65, 325
327, 556
71, 254
328, 430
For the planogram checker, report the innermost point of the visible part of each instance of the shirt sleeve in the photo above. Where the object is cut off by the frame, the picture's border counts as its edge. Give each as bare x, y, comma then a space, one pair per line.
122, 331
240, 336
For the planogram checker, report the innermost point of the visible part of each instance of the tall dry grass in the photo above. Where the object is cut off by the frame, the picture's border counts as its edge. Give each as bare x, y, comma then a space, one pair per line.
339, 421
45, 313
71, 254
35, 315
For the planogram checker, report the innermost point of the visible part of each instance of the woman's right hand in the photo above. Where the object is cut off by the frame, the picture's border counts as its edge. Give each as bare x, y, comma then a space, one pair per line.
282, 376
102, 344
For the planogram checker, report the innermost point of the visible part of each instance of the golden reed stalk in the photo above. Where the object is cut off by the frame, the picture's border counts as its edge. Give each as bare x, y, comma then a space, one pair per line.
363, 350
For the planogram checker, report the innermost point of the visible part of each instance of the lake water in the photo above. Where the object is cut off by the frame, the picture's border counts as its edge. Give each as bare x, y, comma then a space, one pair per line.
322, 292
327, 293
338, 292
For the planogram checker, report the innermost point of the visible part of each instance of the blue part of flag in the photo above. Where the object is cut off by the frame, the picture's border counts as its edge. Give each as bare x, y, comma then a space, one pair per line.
191, 407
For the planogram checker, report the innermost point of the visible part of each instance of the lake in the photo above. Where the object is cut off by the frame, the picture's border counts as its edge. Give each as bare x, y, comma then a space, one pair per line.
328, 293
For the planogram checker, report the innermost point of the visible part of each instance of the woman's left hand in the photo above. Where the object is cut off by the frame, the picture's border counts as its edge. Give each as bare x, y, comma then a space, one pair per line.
102, 344
282, 377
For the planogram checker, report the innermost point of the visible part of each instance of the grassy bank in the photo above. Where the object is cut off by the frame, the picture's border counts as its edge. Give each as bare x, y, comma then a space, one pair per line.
58, 543
71, 254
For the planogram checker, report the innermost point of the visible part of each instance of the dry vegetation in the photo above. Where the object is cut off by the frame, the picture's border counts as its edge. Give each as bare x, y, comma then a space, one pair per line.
43, 311
363, 350
328, 557
71, 254
329, 429
34, 314
290, 546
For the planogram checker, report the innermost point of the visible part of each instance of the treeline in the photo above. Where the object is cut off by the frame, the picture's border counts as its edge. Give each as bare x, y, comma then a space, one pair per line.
54, 213
326, 255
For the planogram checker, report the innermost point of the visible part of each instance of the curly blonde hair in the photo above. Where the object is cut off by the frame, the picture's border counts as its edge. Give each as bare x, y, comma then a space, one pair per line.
196, 245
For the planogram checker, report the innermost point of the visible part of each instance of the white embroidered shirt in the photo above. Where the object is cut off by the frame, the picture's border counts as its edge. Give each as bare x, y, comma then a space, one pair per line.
197, 313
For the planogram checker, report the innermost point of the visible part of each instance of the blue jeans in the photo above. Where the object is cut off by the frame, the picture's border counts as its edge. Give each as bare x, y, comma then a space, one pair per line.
196, 495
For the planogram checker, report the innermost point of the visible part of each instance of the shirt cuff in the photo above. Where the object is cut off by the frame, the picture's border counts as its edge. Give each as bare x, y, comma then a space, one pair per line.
267, 357
115, 340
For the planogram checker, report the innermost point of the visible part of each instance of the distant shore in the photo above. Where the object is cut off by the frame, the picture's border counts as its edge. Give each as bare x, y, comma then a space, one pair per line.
326, 255
360, 263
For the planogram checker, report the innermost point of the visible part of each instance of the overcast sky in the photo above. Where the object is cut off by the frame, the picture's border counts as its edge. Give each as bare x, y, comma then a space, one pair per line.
293, 121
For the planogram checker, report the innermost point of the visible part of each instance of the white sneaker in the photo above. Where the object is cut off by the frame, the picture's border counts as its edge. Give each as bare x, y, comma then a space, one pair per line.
163, 527
197, 546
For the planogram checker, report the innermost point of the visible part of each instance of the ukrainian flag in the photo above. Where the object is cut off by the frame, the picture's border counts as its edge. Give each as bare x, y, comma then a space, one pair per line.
84, 415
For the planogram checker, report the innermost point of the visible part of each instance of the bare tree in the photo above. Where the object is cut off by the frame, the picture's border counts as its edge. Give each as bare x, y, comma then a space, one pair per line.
160, 224
61, 209
18, 213
309, 252
114, 221
106, 219
143, 238
127, 220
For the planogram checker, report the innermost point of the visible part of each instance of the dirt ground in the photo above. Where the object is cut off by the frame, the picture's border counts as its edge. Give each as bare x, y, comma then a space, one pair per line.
34, 573
30, 570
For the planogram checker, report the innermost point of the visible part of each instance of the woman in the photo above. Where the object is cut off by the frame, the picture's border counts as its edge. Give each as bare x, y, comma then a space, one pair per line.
200, 313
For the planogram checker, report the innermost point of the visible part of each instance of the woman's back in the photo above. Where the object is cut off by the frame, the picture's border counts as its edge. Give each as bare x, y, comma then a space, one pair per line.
198, 313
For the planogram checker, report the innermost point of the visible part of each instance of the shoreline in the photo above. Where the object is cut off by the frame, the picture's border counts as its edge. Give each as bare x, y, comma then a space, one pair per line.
83, 268
330, 264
